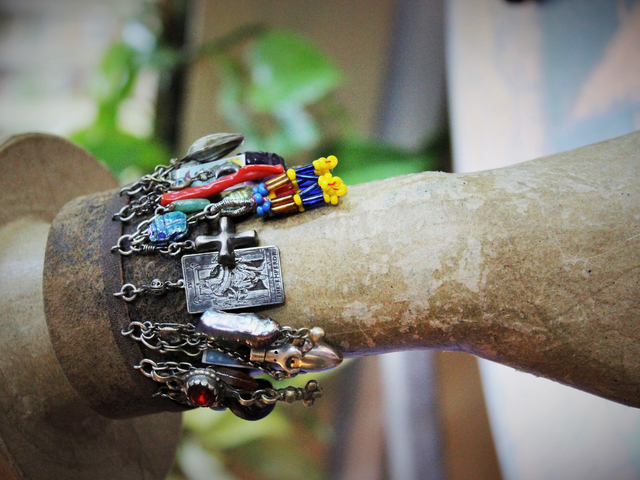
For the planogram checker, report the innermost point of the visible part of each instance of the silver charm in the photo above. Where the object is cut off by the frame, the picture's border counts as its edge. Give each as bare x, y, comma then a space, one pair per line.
254, 280
247, 398
292, 359
212, 147
238, 328
226, 241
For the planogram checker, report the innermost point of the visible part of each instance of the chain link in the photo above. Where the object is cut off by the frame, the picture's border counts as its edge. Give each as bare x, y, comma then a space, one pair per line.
151, 187
173, 374
138, 241
157, 287
183, 338
269, 396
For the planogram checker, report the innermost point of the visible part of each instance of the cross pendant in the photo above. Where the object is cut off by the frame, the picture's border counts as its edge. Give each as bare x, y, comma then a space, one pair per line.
226, 241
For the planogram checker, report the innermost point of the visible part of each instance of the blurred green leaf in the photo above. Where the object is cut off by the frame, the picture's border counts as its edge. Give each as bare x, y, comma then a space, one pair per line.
296, 457
201, 420
297, 131
167, 58
230, 104
116, 75
286, 69
119, 149
363, 161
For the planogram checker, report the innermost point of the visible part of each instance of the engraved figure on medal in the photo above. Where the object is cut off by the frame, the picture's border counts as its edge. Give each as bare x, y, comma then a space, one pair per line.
254, 280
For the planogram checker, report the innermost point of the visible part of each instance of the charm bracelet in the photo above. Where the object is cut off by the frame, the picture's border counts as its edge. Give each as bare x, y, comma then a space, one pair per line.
212, 359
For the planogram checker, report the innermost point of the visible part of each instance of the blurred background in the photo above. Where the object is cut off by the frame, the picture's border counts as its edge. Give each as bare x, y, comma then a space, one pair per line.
390, 87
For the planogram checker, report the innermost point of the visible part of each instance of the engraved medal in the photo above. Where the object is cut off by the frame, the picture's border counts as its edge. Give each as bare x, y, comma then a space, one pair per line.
254, 280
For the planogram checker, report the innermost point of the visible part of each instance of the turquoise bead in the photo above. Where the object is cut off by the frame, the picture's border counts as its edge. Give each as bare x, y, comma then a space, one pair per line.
169, 227
192, 205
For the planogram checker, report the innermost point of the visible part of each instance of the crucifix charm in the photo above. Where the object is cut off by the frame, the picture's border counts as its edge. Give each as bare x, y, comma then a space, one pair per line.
226, 241
231, 276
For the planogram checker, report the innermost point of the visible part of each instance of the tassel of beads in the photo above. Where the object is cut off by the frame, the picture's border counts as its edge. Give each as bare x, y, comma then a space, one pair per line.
299, 189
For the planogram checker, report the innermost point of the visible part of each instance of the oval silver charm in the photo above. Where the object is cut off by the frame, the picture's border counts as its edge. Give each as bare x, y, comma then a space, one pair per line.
212, 147
246, 328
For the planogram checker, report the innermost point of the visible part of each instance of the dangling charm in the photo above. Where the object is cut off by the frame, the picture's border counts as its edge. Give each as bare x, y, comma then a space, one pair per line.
300, 189
169, 227
228, 271
202, 388
238, 328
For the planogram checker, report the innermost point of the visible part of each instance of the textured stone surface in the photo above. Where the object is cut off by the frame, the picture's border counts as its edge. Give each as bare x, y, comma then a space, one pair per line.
534, 266
47, 431
85, 319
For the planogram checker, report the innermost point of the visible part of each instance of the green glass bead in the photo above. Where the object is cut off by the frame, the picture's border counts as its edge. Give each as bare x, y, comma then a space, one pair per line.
191, 205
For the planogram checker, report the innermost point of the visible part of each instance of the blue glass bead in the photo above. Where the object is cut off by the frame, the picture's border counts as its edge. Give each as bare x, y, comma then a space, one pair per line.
267, 206
306, 183
258, 197
262, 189
169, 227
314, 201
304, 170
308, 190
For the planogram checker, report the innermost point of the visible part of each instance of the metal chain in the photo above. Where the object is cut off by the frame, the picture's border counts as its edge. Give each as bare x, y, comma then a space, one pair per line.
140, 206
137, 242
172, 249
157, 370
147, 182
150, 188
268, 396
179, 337
170, 374
202, 176
167, 337
157, 287
302, 337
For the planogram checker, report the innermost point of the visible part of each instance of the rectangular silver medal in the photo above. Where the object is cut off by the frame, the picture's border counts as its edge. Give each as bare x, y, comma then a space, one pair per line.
255, 280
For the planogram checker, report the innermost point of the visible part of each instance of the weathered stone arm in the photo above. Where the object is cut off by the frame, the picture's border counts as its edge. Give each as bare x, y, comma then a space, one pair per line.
534, 266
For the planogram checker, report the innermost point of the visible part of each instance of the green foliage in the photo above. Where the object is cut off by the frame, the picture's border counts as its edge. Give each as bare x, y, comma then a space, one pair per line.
267, 91
116, 75
363, 161
119, 149
275, 87
112, 85
287, 70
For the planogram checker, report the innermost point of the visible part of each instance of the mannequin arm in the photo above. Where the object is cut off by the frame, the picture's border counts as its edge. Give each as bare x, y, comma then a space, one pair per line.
534, 266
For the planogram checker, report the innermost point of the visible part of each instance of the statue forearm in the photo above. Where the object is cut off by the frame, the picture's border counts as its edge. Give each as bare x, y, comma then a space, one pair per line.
534, 266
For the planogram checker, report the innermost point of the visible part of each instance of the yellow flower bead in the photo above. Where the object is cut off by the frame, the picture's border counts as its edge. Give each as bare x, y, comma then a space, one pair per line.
323, 165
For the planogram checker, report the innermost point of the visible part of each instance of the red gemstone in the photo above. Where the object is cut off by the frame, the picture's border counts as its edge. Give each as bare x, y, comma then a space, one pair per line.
201, 395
